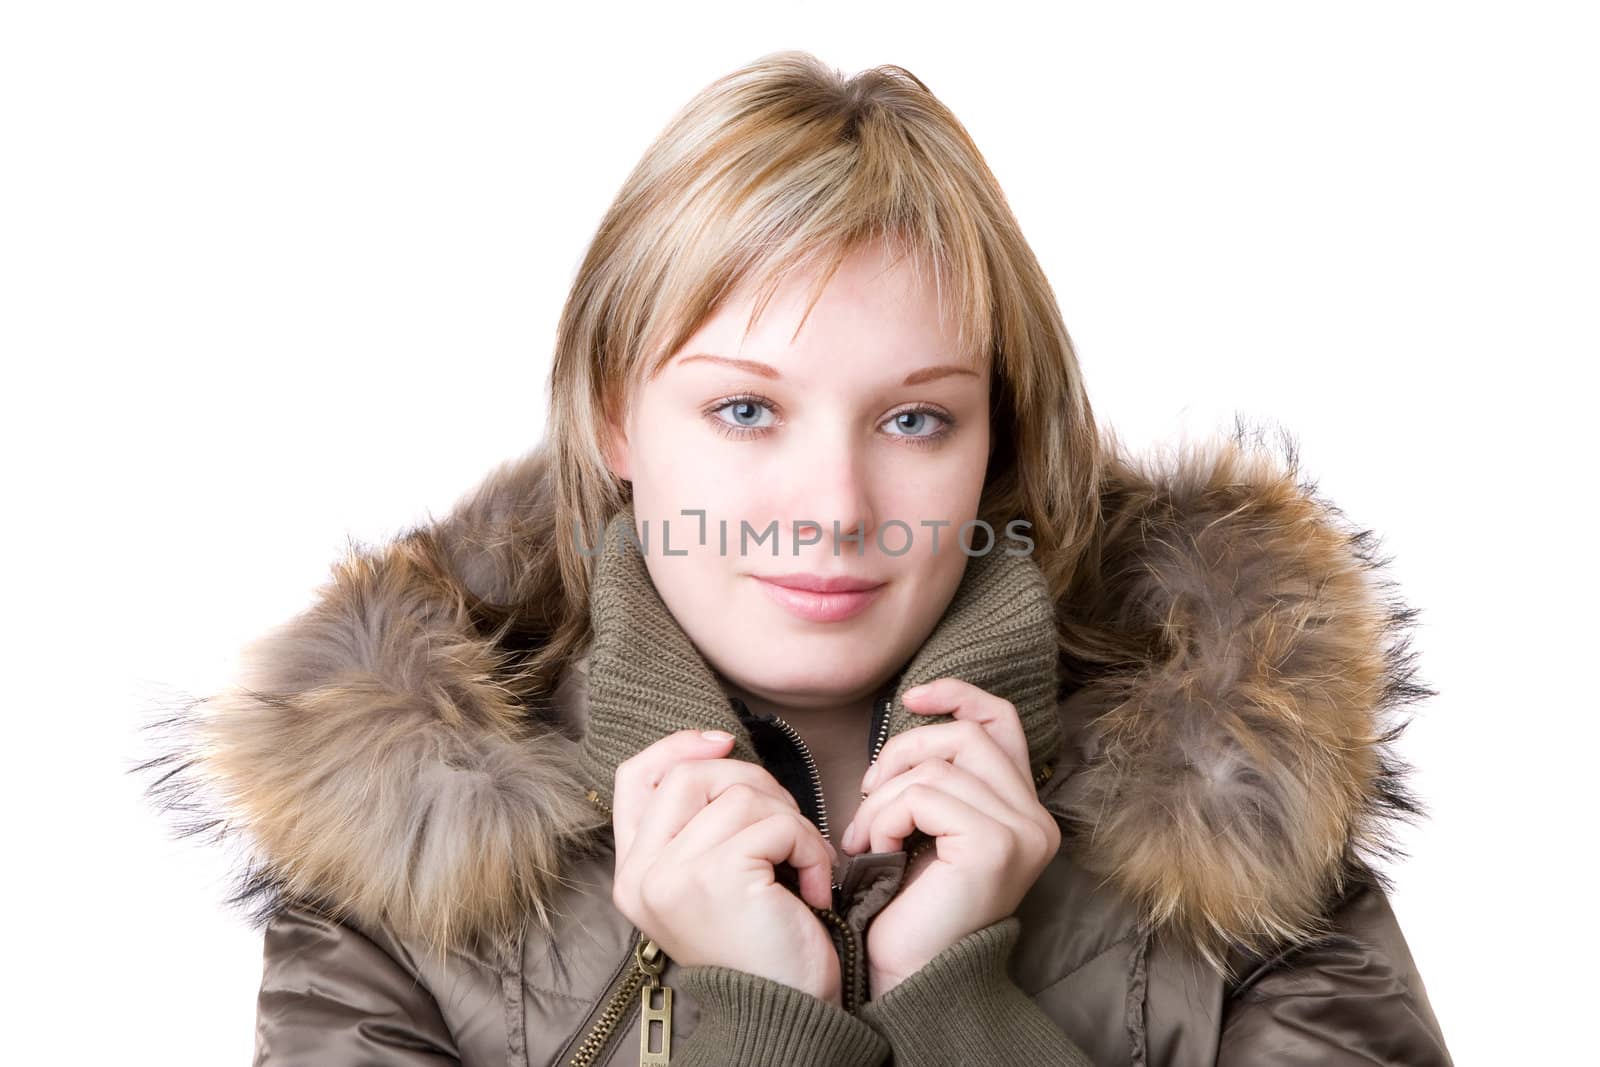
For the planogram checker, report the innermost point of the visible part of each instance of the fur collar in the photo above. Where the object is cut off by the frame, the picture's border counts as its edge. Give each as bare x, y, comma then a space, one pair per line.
377, 754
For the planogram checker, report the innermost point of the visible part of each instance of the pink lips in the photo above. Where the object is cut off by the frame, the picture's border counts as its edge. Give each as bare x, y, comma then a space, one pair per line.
816, 598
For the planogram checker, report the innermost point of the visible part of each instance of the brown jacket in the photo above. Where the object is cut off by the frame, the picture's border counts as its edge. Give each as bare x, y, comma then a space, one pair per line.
428, 848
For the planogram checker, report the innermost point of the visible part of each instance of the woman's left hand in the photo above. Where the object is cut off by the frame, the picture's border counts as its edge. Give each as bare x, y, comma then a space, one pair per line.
968, 785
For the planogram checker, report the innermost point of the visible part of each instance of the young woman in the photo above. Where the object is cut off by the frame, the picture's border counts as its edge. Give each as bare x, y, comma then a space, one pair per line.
825, 688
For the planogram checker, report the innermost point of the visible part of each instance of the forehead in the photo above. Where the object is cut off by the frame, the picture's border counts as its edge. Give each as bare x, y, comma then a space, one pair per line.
875, 307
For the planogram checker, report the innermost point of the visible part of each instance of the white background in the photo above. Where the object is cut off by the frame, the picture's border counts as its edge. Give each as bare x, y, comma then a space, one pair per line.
273, 275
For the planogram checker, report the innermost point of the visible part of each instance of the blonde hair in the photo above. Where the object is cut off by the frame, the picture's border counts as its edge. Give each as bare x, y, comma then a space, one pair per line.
787, 165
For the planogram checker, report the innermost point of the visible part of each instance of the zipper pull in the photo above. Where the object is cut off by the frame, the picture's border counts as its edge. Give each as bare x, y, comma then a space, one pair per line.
652, 961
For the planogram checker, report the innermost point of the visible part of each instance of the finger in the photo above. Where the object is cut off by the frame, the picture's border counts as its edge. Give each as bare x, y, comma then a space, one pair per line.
638, 776
684, 790
965, 744
721, 821
936, 813
967, 702
730, 811
781, 839
938, 774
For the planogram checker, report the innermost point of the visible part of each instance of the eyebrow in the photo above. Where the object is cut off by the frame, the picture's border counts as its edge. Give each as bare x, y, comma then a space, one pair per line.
766, 370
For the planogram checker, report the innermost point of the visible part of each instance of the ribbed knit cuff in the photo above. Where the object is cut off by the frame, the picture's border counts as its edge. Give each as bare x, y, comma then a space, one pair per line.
752, 1021
962, 1008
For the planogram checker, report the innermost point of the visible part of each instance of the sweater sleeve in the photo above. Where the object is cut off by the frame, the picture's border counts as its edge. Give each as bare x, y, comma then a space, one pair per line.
747, 1020
963, 1008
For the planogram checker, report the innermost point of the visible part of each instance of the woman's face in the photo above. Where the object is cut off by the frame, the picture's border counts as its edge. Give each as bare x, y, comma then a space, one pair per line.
870, 416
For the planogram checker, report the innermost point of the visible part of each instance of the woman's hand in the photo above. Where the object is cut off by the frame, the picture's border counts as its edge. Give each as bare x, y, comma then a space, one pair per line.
697, 838
967, 784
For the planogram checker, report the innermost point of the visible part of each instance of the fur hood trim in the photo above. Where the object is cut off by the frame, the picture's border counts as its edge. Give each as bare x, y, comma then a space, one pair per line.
1236, 775
378, 753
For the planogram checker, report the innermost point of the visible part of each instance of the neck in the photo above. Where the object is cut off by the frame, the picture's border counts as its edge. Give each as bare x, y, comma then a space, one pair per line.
818, 751
837, 733
805, 711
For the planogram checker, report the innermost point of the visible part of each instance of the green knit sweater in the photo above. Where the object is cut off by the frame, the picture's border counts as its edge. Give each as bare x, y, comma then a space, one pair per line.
646, 680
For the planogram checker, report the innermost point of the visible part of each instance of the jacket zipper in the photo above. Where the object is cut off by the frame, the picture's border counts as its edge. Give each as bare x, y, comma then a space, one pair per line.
850, 952
638, 983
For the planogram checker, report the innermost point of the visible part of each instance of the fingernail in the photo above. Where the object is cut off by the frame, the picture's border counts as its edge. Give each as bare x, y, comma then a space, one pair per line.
849, 833
716, 735
871, 777
915, 691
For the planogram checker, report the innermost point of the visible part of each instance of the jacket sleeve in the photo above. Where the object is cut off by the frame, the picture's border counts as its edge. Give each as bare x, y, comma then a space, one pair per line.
963, 1008
332, 997
1351, 997
752, 1021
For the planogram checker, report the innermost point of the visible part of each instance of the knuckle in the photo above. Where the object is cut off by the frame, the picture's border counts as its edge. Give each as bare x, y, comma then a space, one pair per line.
776, 819
1032, 840
739, 796
763, 784
794, 823
625, 897
677, 776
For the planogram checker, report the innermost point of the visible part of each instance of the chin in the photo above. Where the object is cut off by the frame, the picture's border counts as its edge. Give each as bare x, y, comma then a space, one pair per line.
804, 676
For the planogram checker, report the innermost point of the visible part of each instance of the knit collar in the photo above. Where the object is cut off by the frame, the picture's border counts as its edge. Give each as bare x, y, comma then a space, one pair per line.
646, 679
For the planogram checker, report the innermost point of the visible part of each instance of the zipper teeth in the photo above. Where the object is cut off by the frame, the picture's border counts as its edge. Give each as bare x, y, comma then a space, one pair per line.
594, 1042
848, 992
811, 771
847, 960
883, 731
599, 1035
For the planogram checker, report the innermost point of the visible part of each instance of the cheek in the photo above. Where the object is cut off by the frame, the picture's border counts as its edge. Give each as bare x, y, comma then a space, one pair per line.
947, 490
673, 469
947, 493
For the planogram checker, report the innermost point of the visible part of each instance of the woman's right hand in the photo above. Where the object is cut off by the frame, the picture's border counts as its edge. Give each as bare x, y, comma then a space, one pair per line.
697, 838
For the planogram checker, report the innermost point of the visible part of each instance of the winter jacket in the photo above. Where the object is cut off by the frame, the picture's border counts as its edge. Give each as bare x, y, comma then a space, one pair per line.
428, 849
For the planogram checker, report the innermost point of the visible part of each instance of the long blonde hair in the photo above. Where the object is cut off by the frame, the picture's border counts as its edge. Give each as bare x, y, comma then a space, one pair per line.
787, 165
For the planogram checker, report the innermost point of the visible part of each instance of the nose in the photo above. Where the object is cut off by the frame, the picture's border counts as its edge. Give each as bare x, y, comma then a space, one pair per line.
833, 491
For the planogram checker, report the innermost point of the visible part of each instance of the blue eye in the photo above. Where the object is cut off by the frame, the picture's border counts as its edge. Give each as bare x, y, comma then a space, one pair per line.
917, 417
743, 408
